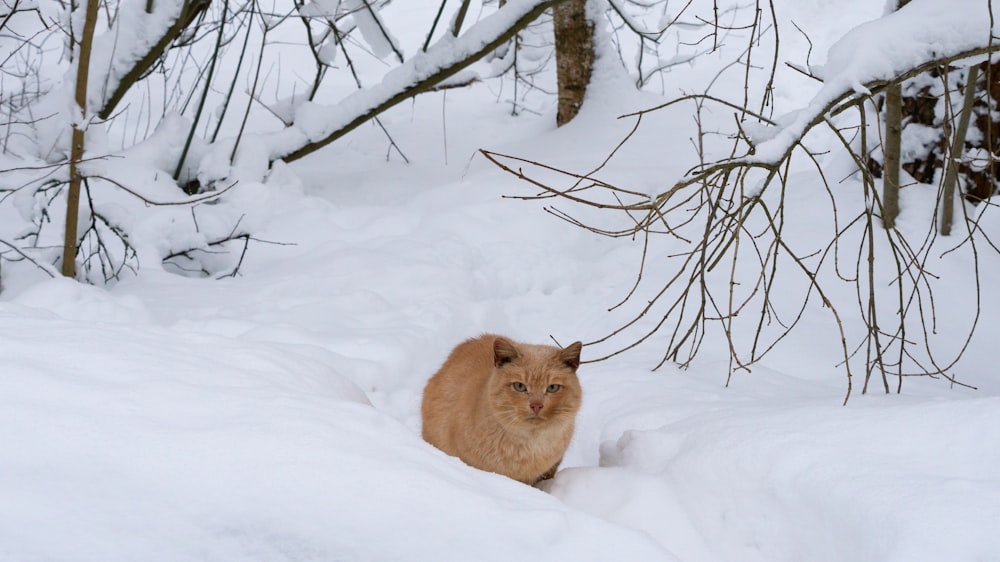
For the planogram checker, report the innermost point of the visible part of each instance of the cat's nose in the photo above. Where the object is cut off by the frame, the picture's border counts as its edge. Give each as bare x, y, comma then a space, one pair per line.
536, 407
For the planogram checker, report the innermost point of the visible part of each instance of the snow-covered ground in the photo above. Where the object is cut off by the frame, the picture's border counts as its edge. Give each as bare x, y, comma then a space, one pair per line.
275, 415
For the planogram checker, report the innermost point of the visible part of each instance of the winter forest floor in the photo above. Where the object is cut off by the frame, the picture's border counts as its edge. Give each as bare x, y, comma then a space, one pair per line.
275, 415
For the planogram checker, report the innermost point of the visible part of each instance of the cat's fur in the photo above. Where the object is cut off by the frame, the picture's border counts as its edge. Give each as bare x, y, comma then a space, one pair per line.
475, 407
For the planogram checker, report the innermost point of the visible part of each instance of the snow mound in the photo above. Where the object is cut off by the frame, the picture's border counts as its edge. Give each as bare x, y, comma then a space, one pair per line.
150, 444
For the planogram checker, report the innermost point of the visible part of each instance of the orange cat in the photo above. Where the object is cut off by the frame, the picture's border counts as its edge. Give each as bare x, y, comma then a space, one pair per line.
504, 406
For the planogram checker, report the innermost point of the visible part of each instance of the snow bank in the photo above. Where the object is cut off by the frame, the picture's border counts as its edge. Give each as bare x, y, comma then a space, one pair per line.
125, 444
275, 415
809, 481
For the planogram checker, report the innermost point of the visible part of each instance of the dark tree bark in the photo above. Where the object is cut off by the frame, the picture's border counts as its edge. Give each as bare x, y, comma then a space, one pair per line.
574, 56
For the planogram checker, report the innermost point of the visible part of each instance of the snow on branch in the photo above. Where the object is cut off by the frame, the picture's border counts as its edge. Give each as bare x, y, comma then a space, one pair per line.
373, 30
316, 125
360, 14
137, 39
922, 35
725, 228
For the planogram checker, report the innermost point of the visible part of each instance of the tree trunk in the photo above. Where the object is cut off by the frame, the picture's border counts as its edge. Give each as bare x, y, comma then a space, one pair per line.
77, 140
574, 56
955, 154
893, 141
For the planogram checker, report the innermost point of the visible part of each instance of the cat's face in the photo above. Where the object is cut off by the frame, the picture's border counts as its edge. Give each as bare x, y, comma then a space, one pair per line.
535, 385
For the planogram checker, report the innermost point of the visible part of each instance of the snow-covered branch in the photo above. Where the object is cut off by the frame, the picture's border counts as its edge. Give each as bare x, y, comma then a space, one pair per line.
726, 226
861, 64
316, 126
136, 41
922, 35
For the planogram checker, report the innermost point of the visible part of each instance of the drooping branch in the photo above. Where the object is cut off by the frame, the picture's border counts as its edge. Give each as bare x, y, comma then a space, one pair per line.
826, 104
421, 73
740, 224
190, 11
783, 141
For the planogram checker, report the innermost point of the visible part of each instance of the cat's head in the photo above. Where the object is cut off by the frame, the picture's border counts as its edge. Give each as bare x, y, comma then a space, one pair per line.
533, 385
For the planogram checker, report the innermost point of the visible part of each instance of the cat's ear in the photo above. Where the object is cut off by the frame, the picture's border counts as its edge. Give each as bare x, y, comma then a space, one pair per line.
570, 355
504, 351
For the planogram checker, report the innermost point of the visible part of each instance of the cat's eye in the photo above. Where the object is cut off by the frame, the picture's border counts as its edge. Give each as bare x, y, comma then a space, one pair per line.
520, 387
553, 388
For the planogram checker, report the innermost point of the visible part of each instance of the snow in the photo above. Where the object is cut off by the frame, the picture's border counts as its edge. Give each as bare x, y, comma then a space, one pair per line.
372, 29
881, 49
316, 122
268, 454
820, 473
274, 415
117, 51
